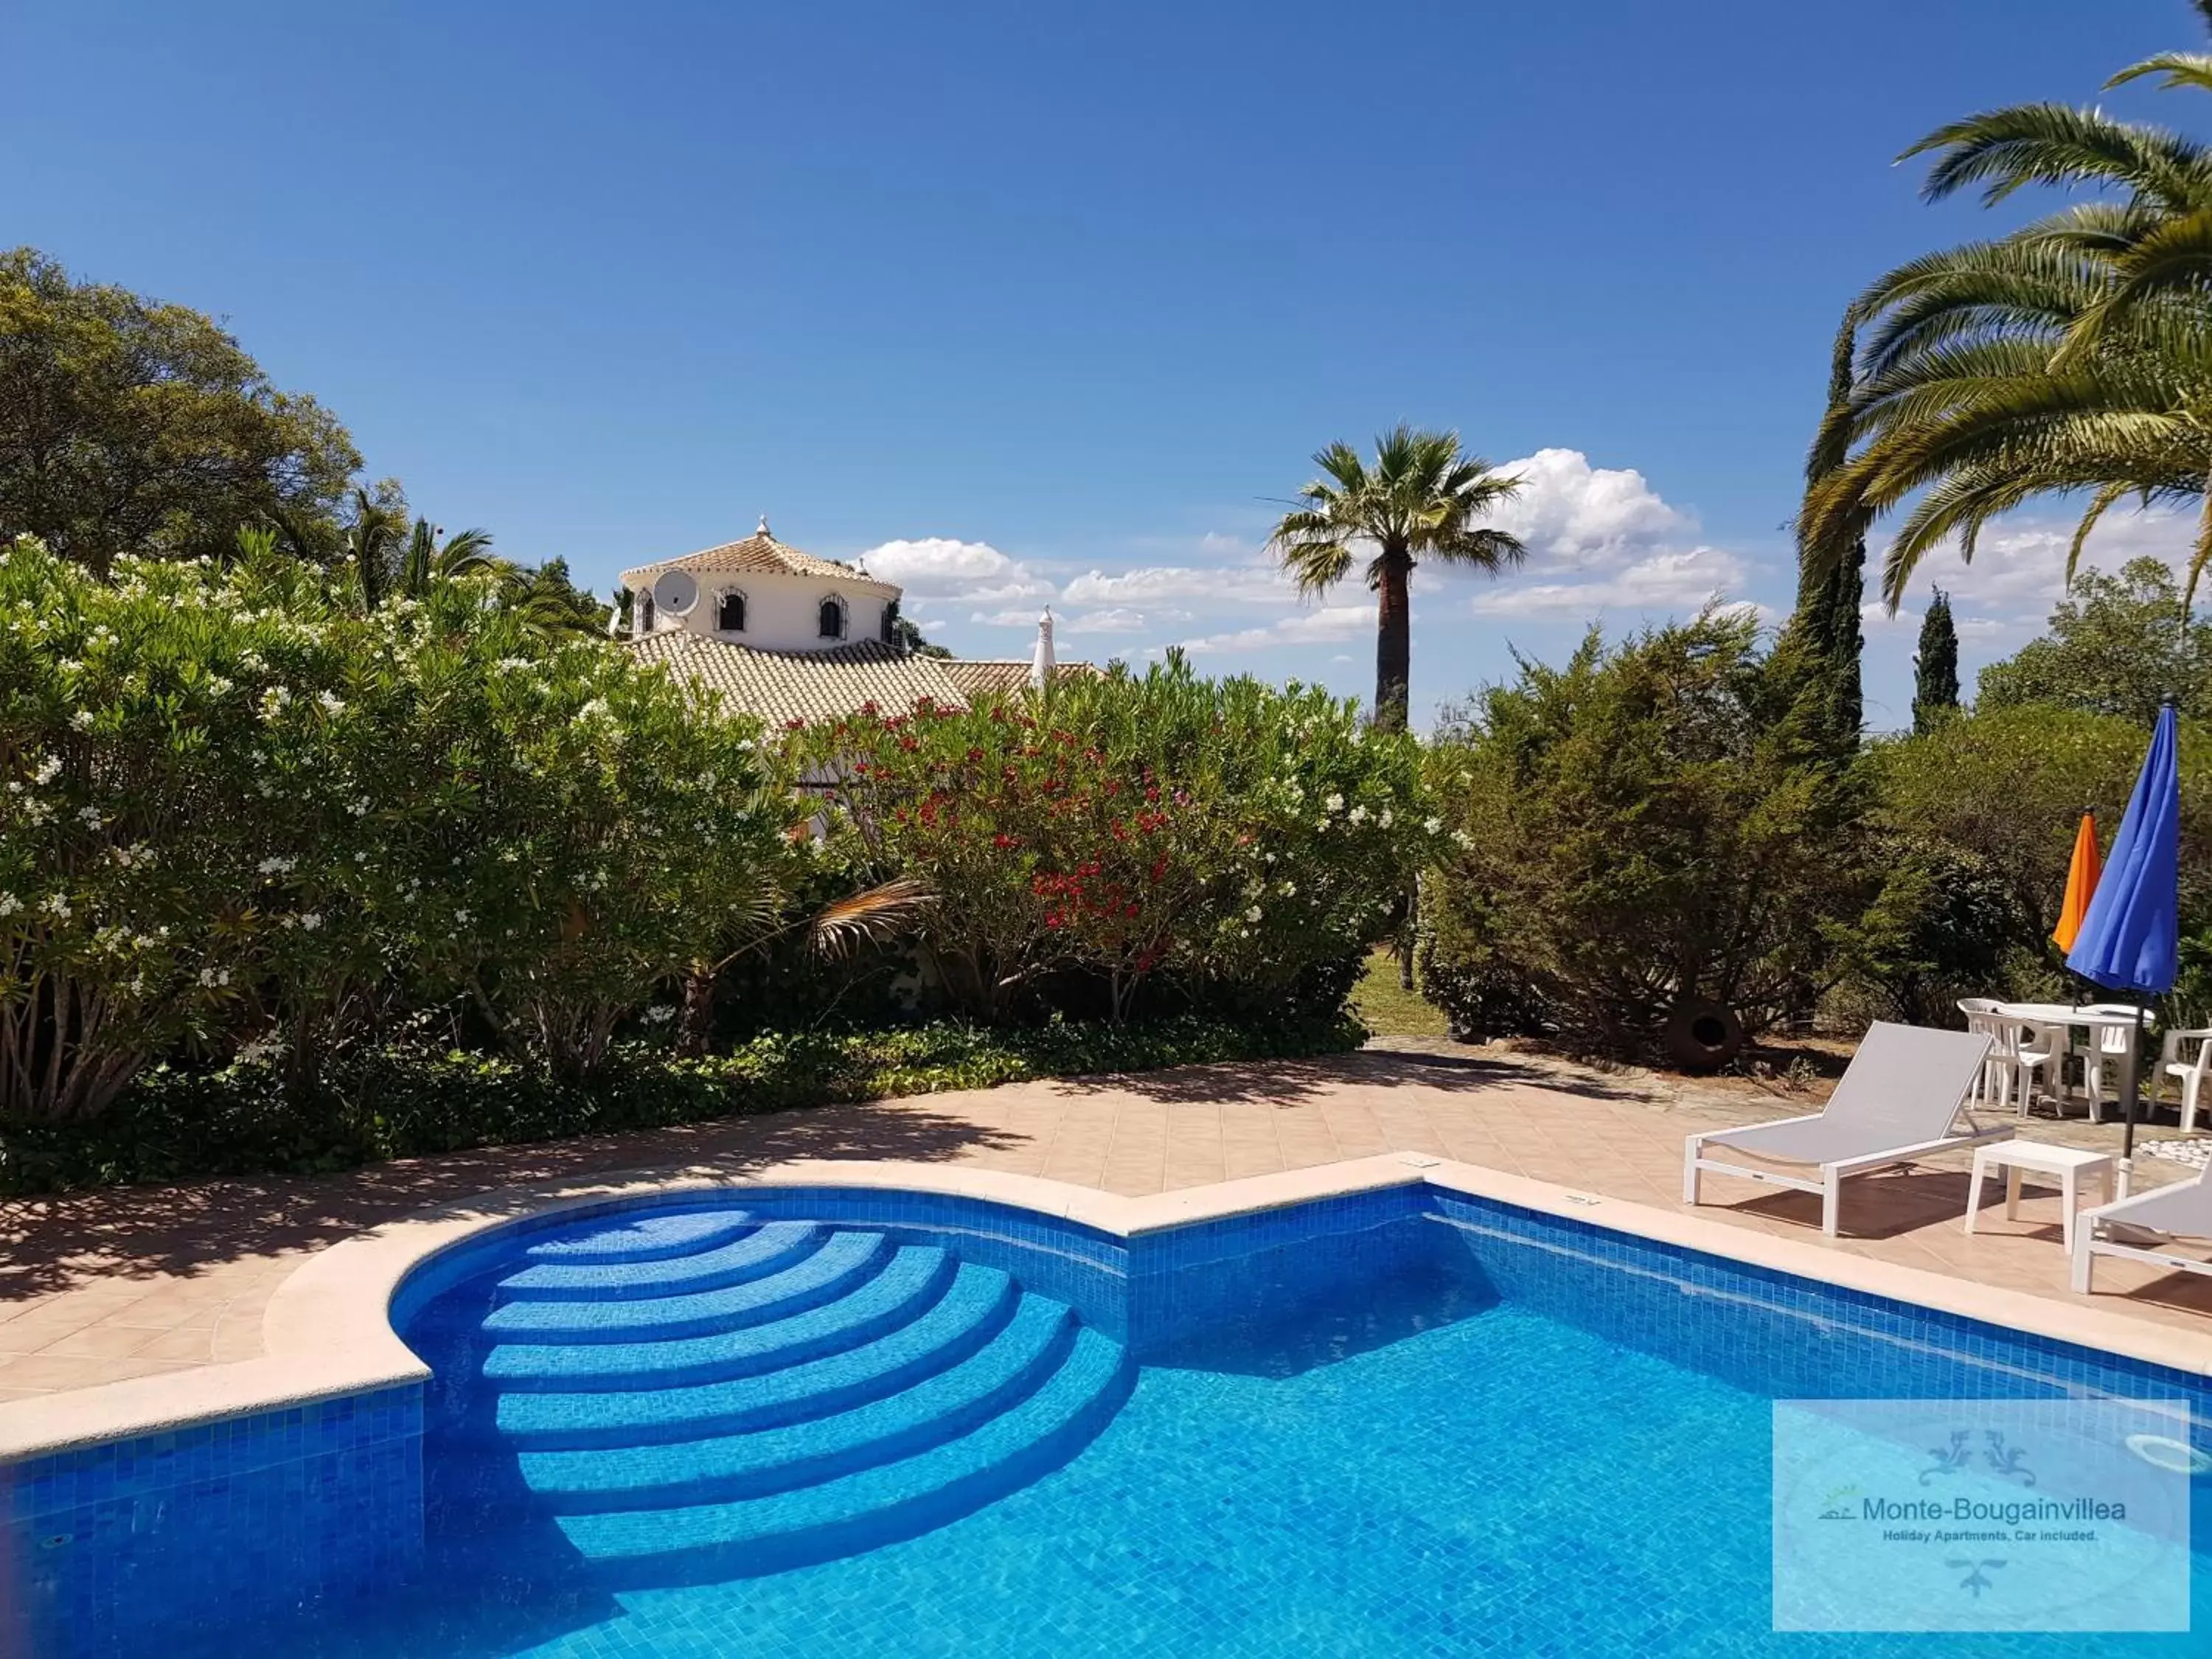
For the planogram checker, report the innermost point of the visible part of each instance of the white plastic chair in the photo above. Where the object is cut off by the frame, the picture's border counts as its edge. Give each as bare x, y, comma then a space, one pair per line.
2114, 1045
1981, 1014
2190, 1074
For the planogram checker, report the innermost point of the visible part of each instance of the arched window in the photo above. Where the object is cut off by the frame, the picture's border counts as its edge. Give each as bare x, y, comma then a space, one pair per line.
645, 613
832, 623
890, 623
730, 612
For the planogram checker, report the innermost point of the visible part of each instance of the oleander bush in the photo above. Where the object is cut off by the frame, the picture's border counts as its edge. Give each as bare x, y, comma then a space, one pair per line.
241, 812
1159, 836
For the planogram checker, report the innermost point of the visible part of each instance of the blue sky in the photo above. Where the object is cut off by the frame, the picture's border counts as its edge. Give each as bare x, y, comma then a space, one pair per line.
1050, 304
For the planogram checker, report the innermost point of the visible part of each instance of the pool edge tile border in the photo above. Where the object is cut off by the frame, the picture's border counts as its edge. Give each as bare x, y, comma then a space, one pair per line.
327, 1331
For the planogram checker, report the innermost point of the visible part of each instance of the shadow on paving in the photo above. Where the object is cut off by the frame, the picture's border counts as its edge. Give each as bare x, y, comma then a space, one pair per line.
1286, 1083
59, 1244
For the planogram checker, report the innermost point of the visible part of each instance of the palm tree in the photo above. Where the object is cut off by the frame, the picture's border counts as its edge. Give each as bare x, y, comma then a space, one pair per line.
2073, 356
369, 541
1422, 497
429, 561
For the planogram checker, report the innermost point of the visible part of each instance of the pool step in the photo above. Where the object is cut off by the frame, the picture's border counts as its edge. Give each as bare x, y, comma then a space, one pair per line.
975, 1307
910, 1281
645, 1238
936, 1408
715, 1394
836, 1264
749, 1536
776, 1244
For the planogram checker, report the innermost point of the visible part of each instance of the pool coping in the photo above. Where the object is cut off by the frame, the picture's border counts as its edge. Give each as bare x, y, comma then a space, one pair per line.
327, 1331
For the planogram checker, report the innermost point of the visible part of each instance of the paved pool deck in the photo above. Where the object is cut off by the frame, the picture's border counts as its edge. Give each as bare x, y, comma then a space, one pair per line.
104, 1287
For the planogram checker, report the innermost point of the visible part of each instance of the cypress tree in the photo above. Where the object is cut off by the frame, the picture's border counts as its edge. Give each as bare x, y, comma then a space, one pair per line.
1935, 666
1824, 654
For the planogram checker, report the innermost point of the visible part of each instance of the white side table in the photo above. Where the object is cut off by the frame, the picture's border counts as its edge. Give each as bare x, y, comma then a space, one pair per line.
2068, 1164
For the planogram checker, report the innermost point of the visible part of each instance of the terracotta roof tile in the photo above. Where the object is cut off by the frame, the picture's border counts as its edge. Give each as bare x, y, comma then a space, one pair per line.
803, 685
761, 551
814, 685
985, 677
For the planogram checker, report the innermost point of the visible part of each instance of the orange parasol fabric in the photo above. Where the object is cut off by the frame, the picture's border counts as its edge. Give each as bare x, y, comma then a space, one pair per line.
2080, 883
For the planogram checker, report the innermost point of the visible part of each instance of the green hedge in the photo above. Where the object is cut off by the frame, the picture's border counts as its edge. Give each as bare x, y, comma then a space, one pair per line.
404, 1101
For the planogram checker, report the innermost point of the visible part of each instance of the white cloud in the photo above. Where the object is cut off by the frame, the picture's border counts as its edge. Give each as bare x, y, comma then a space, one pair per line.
2019, 571
938, 567
1119, 619
1328, 623
1570, 513
1674, 581
1190, 584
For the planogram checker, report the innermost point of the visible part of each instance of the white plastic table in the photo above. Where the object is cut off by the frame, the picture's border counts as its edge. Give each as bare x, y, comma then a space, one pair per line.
2059, 1017
2067, 1163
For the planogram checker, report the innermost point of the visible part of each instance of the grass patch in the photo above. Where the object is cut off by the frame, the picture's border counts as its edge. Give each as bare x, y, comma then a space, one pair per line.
1386, 1007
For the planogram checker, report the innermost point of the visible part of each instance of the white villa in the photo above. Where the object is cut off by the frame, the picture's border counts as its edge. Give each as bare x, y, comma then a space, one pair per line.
787, 637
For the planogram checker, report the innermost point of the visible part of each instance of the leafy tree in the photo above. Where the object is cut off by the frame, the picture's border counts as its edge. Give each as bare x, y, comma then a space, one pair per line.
2117, 646
907, 635
2072, 355
1639, 831
1423, 498
2004, 787
1946, 924
1936, 666
131, 426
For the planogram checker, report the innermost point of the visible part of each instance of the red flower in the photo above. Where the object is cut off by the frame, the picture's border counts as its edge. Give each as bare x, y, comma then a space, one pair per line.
1003, 842
871, 708
975, 754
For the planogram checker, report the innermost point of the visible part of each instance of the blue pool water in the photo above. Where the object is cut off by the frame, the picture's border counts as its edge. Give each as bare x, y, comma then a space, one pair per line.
1398, 1426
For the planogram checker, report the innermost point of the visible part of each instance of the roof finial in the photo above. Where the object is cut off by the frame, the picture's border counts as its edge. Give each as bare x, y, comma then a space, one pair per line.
765, 529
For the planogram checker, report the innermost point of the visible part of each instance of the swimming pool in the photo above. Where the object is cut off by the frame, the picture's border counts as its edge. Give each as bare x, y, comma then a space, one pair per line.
806, 1421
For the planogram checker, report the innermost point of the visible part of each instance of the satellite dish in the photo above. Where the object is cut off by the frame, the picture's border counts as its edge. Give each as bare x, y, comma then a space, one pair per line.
676, 592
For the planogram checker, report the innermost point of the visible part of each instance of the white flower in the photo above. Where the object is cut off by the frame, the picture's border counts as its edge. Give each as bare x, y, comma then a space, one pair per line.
89, 817
1334, 804
1465, 839
217, 685
82, 720
1433, 824
359, 806
1383, 819
310, 921
55, 905
276, 866
460, 915
659, 1014
9, 904
1290, 890
1252, 915
332, 703
1359, 815
49, 769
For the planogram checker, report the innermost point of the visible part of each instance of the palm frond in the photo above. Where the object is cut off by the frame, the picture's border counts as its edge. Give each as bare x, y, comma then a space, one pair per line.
871, 917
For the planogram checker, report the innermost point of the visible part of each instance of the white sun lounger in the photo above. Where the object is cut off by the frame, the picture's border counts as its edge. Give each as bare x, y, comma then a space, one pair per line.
1897, 1100
2182, 1210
